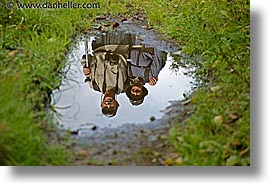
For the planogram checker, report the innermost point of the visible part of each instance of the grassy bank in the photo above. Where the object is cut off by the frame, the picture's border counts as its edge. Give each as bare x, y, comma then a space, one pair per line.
33, 47
218, 132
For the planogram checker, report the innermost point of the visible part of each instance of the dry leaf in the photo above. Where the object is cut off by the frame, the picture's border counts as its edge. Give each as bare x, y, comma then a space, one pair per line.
214, 65
233, 117
12, 53
169, 162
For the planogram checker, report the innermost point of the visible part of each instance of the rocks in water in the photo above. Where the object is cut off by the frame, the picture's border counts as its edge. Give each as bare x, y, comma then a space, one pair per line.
147, 27
122, 19
152, 118
152, 138
74, 132
115, 24
97, 27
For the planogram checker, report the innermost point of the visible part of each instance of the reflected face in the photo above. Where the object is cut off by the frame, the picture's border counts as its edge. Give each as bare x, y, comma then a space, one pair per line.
136, 90
108, 103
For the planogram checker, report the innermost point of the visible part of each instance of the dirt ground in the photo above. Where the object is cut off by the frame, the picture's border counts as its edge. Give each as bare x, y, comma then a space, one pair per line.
131, 144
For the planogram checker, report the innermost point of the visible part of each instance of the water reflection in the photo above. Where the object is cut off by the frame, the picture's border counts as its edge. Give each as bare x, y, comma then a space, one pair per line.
131, 81
120, 64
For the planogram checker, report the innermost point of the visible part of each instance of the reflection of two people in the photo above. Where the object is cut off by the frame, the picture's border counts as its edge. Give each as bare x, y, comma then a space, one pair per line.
121, 64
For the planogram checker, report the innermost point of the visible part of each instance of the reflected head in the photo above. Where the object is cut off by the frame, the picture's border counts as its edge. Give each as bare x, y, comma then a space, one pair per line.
109, 106
136, 94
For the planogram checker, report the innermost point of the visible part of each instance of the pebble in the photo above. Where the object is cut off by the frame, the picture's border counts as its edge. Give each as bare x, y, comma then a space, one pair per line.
83, 153
102, 17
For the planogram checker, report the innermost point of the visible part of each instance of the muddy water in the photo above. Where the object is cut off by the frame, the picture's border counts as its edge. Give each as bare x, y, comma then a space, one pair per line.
78, 105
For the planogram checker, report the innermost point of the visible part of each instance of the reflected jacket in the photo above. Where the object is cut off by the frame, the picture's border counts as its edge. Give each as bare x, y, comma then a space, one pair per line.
109, 68
146, 63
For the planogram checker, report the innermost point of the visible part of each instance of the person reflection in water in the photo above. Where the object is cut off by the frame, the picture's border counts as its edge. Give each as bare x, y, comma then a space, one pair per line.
122, 64
108, 68
146, 63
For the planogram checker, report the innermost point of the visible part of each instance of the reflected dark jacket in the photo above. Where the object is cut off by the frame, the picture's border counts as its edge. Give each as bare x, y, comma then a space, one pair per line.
146, 63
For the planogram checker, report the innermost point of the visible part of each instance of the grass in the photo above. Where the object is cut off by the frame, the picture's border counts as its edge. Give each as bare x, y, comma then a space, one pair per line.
33, 47
218, 132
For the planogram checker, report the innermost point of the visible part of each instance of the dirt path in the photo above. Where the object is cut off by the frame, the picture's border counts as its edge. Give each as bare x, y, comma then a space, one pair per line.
131, 144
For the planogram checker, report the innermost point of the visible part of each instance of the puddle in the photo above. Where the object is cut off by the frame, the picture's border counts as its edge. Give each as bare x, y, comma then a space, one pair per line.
78, 105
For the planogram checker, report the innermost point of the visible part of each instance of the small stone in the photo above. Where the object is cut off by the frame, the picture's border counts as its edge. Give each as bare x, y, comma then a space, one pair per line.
115, 24
74, 132
149, 27
83, 153
122, 19
179, 53
152, 138
102, 17
186, 102
108, 24
164, 137
184, 95
141, 18
97, 27
152, 118
144, 26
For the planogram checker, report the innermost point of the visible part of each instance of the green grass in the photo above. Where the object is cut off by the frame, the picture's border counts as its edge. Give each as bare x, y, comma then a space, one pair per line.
33, 47
218, 31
